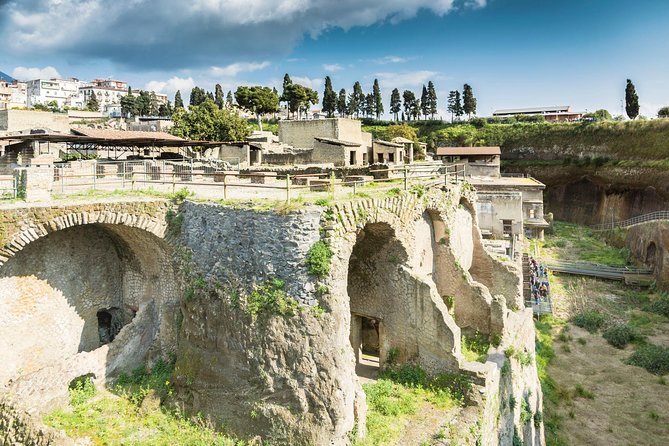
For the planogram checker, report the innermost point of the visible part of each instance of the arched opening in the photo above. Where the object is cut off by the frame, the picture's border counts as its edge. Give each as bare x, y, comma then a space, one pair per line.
77, 290
372, 271
651, 254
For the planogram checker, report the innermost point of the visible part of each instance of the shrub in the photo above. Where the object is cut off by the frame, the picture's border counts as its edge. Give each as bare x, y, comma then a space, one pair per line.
620, 335
81, 390
475, 347
525, 412
318, 259
653, 358
538, 419
322, 202
181, 194
659, 306
591, 320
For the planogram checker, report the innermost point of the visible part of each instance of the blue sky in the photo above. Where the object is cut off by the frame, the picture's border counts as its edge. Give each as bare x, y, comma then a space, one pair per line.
515, 53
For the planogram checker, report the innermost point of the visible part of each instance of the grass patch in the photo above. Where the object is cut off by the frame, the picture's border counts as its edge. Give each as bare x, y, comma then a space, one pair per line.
398, 395
659, 306
120, 418
475, 347
591, 320
574, 242
582, 392
653, 358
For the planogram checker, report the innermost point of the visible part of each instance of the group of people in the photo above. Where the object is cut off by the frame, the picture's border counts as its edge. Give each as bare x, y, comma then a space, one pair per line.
539, 285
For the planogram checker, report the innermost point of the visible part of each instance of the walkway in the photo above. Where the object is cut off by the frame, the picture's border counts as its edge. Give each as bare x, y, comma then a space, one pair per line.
653, 216
631, 276
536, 287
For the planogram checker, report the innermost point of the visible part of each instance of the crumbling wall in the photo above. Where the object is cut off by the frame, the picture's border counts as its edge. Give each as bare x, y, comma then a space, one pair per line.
649, 243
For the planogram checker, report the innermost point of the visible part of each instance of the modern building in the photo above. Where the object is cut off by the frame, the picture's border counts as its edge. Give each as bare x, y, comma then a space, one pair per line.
108, 97
479, 161
556, 113
64, 92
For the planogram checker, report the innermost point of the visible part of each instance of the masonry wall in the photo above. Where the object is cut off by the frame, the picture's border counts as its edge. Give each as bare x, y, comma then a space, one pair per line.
21, 120
301, 134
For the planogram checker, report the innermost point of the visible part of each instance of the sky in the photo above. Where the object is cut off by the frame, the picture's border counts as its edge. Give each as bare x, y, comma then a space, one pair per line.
514, 53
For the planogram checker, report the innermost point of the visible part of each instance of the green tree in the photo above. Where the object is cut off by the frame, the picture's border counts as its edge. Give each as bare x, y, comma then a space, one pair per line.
329, 98
218, 96
369, 105
299, 98
399, 130
197, 96
92, 104
129, 106
469, 101
285, 92
454, 104
663, 112
178, 102
260, 100
143, 103
599, 115
207, 122
341, 103
395, 103
165, 110
432, 99
378, 100
357, 102
153, 104
228, 99
424, 102
409, 103
631, 100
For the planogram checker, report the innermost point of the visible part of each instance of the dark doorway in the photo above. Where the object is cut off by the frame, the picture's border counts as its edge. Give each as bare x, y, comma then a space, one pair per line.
651, 254
110, 323
366, 341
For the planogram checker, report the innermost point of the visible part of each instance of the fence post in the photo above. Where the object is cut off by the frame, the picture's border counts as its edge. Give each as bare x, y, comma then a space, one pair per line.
406, 184
355, 187
332, 184
225, 186
132, 180
95, 173
62, 179
124, 172
288, 188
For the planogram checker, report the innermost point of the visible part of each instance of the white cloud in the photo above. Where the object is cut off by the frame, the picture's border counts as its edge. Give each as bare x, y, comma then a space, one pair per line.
170, 86
24, 73
314, 84
171, 33
390, 59
332, 67
406, 79
234, 69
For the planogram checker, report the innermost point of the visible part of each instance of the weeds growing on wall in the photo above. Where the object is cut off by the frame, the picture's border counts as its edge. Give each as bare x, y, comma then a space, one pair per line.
319, 258
271, 298
475, 347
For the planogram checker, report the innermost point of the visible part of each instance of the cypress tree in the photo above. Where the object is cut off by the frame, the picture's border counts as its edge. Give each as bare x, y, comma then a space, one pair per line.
469, 101
341, 103
432, 99
395, 103
424, 102
378, 102
409, 103
218, 96
329, 98
93, 104
178, 102
228, 99
357, 104
631, 100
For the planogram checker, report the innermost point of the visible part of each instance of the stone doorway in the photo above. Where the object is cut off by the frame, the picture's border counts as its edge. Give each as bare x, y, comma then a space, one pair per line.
366, 342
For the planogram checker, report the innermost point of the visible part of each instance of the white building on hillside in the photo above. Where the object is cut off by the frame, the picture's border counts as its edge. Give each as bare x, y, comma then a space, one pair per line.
65, 92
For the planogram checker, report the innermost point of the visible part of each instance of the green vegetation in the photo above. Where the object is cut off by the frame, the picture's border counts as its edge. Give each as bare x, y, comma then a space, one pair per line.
581, 392
574, 242
475, 347
620, 335
591, 320
271, 298
399, 394
659, 306
207, 122
525, 412
318, 259
653, 358
131, 414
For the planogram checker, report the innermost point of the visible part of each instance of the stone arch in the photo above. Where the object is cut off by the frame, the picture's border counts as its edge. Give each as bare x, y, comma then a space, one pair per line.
85, 294
35, 230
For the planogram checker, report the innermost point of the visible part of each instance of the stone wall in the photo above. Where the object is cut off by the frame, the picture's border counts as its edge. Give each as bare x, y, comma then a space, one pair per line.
22, 120
649, 243
61, 270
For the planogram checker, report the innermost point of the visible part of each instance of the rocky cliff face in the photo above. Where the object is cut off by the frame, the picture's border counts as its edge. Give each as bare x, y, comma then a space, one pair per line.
592, 195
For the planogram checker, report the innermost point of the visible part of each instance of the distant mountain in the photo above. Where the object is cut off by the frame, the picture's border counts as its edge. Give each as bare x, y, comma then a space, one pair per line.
6, 77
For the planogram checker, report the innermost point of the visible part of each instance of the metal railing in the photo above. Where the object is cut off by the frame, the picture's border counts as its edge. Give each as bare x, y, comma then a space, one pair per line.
653, 216
140, 174
596, 270
8, 187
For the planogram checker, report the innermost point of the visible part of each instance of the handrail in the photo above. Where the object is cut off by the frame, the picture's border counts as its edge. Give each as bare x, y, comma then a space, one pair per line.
653, 216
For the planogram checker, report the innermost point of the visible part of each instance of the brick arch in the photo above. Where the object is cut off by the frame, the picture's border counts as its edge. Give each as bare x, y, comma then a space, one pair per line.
156, 225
